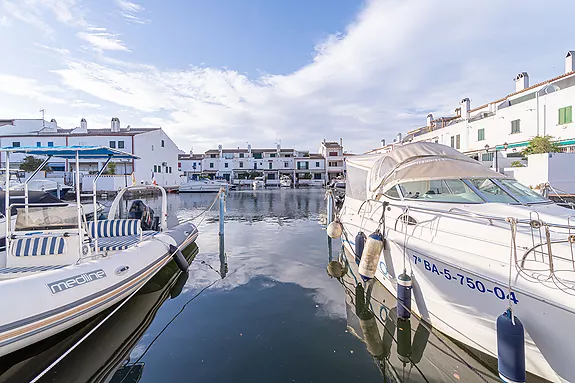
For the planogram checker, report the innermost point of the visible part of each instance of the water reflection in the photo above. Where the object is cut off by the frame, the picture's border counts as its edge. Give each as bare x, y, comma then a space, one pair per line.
105, 354
404, 350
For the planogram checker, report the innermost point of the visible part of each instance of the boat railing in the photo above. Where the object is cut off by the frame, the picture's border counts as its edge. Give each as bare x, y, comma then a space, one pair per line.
542, 260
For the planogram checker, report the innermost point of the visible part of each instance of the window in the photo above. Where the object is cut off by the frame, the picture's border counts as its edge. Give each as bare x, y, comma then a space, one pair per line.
286, 164
392, 193
515, 126
271, 176
159, 168
15, 144
457, 141
258, 156
317, 164
333, 154
170, 170
213, 156
162, 143
155, 169
565, 116
522, 192
50, 144
113, 144
480, 134
317, 176
453, 141
487, 157
491, 192
241, 155
270, 165
455, 191
38, 144
332, 163
272, 155
226, 165
211, 164
152, 148
120, 144
241, 164
302, 165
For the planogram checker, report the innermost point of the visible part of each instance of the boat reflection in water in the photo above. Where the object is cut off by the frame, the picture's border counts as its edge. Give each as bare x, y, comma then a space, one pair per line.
104, 355
405, 350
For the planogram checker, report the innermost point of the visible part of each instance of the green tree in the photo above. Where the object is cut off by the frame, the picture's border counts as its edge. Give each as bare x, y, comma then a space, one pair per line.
32, 163
111, 168
541, 144
517, 164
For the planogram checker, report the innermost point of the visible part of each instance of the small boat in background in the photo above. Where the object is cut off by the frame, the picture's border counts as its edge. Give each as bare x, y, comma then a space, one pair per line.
203, 186
285, 182
43, 185
259, 182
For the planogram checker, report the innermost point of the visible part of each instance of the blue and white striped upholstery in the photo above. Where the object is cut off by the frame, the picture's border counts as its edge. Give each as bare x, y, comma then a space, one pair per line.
29, 269
121, 243
37, 246
114, 228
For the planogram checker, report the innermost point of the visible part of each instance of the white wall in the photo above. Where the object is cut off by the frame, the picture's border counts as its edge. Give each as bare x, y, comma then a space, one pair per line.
148, 146
554, 168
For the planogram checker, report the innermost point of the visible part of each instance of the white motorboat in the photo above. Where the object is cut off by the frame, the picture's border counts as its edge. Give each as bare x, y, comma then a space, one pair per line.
44, 185
259, 182
285, 181
60, 269
203, 186
475, 243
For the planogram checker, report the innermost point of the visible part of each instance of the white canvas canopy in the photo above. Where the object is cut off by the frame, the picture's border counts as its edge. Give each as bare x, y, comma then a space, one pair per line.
412, 162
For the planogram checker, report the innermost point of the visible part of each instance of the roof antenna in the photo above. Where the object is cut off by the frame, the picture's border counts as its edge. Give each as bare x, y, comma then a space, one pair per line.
43, 111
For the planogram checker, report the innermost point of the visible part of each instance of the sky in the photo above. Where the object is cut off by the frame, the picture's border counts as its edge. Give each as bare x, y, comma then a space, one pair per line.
294, 72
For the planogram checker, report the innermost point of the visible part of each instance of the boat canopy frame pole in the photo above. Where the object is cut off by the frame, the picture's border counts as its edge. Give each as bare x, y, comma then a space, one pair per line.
7, 203
79, 206
44, 163
95, 202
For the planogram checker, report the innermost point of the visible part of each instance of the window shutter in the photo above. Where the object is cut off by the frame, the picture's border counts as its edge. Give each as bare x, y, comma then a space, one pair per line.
568, 115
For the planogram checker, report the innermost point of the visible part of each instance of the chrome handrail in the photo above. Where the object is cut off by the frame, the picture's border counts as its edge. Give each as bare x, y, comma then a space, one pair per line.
464, 213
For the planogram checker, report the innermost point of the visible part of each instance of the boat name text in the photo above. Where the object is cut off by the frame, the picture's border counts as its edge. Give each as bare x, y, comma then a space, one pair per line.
464, 280
77, 280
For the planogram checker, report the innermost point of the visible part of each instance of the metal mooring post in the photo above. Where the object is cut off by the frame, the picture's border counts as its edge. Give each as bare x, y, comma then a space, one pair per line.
329, 206
222, 209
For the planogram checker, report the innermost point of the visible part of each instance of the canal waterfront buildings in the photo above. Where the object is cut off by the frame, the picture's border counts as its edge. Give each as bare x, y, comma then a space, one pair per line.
495, 133
158, 153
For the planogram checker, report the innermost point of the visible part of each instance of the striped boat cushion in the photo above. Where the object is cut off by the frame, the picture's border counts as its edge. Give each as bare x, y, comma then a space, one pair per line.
114, 228
121, 243
25, 247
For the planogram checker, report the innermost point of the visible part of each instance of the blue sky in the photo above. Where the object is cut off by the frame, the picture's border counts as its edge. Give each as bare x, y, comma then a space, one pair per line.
232, 71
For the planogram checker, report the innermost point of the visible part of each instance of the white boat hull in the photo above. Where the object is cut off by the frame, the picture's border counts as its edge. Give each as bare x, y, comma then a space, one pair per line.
60, 299
463, 300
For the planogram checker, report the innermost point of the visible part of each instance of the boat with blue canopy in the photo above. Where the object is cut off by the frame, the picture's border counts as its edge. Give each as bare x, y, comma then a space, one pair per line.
68, 268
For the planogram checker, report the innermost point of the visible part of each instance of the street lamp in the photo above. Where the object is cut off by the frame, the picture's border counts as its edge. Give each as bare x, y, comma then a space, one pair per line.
505, 146
495, 154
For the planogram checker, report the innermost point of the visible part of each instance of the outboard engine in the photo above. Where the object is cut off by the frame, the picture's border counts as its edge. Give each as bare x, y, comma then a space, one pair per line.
139, 210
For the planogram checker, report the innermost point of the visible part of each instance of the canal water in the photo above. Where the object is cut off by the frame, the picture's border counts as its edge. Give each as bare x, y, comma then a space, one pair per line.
266, 310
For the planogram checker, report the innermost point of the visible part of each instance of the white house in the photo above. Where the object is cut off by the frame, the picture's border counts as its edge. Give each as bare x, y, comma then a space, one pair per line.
506, 125
158, 153
241, 164
334, 157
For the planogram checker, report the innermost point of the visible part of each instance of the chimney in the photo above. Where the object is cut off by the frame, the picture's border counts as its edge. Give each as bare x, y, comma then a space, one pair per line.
465, 108
220, 149
279, 147
341, 142
429, 119
569, 64
398, 137
382, 143
521, 81
249, 148
53, 125
115, 127
191, 151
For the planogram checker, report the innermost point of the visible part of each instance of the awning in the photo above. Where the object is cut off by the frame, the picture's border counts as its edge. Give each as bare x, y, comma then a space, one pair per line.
69, 152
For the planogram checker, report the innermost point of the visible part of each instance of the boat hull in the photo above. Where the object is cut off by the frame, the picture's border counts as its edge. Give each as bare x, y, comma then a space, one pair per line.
62, 298
464, 304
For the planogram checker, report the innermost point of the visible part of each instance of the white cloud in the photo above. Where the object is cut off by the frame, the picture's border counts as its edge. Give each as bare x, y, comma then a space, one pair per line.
398, 61
103, 41
62, 51
30, 88
129, 11
35, 12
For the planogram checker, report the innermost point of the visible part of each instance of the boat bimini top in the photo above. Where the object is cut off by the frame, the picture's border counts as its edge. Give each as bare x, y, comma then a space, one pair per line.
416, 161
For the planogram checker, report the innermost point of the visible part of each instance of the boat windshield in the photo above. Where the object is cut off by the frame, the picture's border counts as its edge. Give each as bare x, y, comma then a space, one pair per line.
47, 217
467, 191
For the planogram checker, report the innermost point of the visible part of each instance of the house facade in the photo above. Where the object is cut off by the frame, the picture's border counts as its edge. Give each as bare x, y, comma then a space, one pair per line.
495, 133
334, 157
158, 153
